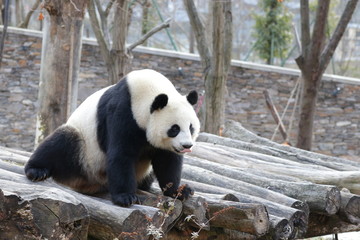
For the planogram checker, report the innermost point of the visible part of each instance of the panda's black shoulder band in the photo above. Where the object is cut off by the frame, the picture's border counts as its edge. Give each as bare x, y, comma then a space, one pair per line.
159, 102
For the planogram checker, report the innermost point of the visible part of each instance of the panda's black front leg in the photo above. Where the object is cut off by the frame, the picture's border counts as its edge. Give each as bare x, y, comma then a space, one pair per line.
167, 167
121, 177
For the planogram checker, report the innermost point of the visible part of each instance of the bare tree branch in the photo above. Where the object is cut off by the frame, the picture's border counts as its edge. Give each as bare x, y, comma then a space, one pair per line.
103, 21
305, 26
156, 29
338, 33
318, 35
108, 8
25, 23
199, 31
99, 7
104, 48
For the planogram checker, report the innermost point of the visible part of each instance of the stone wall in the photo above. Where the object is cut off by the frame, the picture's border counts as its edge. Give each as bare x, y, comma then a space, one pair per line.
337, 122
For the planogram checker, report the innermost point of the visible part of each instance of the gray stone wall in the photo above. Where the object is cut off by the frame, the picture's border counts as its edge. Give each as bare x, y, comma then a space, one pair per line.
337, 121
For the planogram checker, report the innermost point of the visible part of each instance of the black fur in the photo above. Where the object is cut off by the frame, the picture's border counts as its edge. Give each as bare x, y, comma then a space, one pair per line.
160, 102
125, 145
192, 97
56, 157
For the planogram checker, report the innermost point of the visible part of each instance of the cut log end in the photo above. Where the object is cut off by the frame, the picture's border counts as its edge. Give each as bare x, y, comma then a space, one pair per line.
333, 201
350, 208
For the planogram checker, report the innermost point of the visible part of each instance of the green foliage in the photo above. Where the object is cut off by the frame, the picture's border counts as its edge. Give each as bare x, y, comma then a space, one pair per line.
272, 30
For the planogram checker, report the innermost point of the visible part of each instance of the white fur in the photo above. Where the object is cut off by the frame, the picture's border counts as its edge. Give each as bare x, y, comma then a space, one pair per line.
144, 86
84, 120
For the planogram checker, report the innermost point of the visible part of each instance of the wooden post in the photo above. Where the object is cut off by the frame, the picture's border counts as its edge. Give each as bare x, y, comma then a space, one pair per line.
275, 114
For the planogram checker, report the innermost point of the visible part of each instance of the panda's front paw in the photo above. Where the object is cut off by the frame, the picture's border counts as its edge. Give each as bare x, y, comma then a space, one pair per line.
125, 199
181, 193
37, 174
184, 192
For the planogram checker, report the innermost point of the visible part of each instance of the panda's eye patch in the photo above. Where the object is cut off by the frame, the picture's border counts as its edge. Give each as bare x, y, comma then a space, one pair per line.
173, 131
191, 129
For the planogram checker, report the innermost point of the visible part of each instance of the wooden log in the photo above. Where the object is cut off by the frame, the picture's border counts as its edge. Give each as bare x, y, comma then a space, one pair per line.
171, 209
273, 176
197, 207
279, 227
341, 179
275, 114
309, 157
11, 167
40, 212
323, 199
249, 218
107, 221
15, 151
214, 233
322, 225
350, 207
296, 217
248, 215
248, 158
205, 176
236, 131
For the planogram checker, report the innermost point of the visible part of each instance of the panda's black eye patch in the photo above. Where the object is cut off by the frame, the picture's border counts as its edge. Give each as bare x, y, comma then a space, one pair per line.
173, 131
191, 129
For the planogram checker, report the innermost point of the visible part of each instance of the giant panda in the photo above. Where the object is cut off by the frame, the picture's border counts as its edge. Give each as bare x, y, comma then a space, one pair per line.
121, 136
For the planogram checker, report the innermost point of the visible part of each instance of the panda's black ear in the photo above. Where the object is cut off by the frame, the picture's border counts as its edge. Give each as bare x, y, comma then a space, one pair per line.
159, 102
192, 97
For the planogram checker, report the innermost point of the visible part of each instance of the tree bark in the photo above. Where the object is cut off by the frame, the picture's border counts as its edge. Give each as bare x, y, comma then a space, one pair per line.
119, 53
215, 57
60, 64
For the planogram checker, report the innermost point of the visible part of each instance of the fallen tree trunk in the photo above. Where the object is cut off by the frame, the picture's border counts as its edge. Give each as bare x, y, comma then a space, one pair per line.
107, 221
288, 184
234, 130
279, 227
40, 212
350, 207
241, 158
320, 198
322, 225
249, 218
341, 179
297, 218
204, 176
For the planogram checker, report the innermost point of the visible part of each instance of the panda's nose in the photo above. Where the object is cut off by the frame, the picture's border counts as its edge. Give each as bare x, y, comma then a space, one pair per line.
187, 146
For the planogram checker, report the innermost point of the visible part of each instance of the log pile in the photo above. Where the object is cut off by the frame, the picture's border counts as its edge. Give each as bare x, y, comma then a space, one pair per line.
246, 187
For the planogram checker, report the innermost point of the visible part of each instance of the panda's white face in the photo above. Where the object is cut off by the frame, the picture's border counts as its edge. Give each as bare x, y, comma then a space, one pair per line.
174, 127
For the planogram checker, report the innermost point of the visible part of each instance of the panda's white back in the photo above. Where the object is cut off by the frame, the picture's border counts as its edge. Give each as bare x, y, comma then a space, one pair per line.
84, 120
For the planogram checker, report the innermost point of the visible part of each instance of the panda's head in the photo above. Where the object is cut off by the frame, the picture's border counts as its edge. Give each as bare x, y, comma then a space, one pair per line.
173, 124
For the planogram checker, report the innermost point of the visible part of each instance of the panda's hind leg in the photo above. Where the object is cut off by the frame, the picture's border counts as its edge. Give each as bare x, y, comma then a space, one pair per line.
145, 183
56, 156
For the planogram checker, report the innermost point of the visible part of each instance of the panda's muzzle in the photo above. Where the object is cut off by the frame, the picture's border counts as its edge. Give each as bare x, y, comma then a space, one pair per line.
185, 148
